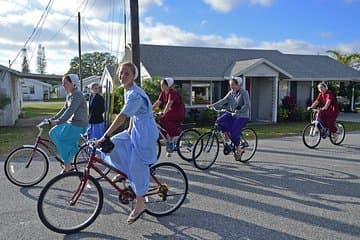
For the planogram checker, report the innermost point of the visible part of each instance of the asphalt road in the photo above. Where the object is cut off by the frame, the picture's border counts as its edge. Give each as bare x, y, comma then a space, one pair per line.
285, 192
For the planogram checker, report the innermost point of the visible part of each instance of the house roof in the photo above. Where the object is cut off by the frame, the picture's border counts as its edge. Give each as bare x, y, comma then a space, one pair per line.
205, 62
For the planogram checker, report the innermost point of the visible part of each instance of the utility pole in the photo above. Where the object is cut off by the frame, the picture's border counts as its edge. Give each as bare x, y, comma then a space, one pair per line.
135, 40
79, 46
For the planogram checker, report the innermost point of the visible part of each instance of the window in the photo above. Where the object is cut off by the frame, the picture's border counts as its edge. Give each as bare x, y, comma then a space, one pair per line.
200, 93
32, 89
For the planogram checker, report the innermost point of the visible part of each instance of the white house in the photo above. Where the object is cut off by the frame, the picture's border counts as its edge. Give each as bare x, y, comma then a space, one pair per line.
35, 90
15, 85
269, 75
10, 87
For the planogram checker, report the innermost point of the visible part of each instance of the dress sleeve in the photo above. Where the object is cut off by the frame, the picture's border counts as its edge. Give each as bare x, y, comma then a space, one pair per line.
132, 105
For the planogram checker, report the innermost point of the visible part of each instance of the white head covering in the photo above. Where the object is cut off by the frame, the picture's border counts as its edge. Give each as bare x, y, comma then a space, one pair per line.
239, 80
324, 85
74, 79
169, 81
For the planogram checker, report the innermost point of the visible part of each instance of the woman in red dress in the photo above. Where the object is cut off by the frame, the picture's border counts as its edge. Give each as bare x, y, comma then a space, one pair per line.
329, 109
174, 110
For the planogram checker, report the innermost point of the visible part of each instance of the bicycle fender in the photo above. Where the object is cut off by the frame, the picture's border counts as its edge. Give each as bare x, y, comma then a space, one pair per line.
40, 149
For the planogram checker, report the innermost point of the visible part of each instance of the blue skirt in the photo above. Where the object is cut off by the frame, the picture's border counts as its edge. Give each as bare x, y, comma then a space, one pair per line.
66, 139
96, 130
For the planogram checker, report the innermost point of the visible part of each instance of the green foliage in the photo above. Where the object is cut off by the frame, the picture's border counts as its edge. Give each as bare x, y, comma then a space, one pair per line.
282, 114
92, 63
209, 116
4, 101
152, 88
118, 99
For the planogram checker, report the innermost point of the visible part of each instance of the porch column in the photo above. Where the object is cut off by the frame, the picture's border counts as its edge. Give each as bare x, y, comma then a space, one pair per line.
276, 100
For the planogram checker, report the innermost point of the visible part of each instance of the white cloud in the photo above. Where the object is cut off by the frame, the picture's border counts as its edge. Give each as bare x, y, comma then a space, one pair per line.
227, 5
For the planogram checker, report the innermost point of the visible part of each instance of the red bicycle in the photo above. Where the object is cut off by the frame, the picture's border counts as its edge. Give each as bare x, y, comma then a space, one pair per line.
72, 201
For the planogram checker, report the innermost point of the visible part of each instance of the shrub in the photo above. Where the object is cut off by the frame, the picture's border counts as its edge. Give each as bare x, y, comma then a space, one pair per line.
4, 101
209, 116
282, 114
289, 103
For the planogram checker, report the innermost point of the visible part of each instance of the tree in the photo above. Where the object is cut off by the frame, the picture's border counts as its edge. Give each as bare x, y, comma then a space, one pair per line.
25, 63
92, 63
41, 59
351, 91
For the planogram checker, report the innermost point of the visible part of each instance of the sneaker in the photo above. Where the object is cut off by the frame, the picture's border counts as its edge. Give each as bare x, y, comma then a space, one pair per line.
169, 146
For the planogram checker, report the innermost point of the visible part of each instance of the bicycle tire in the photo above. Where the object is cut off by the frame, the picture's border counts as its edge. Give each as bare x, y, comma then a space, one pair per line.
311, 136
206, 150
81, 159
185, 144
55, 210
249, 141
17, 172
340, 134
168, 189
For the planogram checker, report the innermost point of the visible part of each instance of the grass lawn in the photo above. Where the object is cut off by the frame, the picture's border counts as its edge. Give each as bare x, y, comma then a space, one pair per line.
41, 109
12, 137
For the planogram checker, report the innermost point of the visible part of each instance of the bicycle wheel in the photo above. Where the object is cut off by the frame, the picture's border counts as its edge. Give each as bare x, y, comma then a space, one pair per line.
340, 134
54, 207
206, 150
311, 136
81, 159
168, 189
158, 148
26, 166
186, 142
248, 141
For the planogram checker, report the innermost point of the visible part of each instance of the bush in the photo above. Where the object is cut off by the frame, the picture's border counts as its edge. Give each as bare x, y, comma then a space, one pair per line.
282, 114
4, 101
209, 116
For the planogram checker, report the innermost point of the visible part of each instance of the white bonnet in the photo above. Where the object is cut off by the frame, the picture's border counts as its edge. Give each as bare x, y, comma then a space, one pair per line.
324, 85
239, 80
74, 79
169, 81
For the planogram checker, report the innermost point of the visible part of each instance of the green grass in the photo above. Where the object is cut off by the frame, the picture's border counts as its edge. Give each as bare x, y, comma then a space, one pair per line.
41, 109
12, 137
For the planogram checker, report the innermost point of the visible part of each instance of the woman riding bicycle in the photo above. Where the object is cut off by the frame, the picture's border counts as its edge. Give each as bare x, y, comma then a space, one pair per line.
70, 121
329, 109
174, 111
135, 148
231, 124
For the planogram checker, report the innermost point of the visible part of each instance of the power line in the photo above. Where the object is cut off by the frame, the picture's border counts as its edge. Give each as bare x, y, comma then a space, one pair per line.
42, 18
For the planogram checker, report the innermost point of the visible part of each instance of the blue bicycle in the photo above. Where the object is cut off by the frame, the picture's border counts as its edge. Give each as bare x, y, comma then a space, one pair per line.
314, 131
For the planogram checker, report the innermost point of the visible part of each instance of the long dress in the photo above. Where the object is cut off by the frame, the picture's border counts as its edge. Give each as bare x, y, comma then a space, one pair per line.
135, 152
329, 115
172, 119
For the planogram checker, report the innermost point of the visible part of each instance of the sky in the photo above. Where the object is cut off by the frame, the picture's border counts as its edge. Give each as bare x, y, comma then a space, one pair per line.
290, 26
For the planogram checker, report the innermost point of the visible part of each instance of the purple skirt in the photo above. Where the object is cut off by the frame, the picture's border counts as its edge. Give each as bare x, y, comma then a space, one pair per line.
232, 125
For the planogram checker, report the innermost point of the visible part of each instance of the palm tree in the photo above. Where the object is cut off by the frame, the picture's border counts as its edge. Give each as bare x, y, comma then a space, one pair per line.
352, 60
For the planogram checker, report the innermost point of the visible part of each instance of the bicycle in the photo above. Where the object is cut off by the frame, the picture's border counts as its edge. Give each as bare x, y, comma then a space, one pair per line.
183, 144
315, 130
72, 201
28, 165
207, 147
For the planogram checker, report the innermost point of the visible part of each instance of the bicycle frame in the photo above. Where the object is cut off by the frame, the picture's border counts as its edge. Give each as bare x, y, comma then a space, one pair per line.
316, 120
126, 193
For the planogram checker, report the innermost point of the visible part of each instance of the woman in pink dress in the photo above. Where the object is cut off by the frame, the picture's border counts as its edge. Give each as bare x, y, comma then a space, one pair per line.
174, 110
329, 109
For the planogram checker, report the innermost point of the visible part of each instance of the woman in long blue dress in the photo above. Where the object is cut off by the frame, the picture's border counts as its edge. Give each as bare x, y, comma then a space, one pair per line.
135, 148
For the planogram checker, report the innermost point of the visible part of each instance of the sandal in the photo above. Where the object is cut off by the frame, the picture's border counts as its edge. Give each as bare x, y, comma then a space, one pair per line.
238, 154
118, 178
134, 216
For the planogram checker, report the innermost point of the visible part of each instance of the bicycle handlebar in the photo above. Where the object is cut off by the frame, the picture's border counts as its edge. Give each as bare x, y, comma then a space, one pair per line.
220, 110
